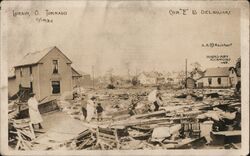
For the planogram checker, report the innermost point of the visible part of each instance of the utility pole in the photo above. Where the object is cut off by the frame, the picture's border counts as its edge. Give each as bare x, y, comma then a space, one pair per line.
93, 82
186, 74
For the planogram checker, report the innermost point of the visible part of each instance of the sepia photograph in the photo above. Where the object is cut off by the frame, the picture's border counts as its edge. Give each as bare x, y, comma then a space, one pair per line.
124, 77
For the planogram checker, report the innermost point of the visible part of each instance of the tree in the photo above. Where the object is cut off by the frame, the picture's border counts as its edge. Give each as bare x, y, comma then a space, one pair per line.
196, 66
135, 81
238, 66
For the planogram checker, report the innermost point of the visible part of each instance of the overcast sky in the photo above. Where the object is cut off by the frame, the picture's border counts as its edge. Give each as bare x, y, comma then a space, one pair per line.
115, 35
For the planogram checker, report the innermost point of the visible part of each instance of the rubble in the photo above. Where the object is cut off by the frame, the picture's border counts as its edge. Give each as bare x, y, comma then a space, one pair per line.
183, 121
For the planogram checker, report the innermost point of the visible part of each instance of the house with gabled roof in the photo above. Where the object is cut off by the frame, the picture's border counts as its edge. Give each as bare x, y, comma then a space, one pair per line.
46, 73
76, 78
218, 77
196, 74
151, 78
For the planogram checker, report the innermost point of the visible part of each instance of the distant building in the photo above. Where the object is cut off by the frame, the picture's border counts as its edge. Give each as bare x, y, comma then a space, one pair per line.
46, 73
190, 83
169, 80
81, 79
219, 77
196, 74
151, 78
86, 79
76, 78
146, 79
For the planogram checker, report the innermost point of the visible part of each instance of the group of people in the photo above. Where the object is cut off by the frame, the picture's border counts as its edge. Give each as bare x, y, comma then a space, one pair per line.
91, 109
89, 112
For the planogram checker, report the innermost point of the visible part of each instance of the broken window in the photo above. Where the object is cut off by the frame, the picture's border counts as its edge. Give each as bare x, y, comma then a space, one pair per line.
219, 80
55, 87
31, 87
209, 81
55, 66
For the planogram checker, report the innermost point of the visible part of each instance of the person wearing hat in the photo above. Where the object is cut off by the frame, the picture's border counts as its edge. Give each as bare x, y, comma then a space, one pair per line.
35, 116
90, 108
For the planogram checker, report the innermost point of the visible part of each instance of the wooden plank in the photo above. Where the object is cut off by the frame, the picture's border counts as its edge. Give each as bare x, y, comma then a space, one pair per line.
83, 144
162, 112
146, 121
227, 133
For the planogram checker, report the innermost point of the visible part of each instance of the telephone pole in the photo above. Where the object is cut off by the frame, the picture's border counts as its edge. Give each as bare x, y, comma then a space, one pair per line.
186, 74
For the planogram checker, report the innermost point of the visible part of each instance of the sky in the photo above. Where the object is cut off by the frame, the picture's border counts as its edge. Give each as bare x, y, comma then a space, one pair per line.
139, 36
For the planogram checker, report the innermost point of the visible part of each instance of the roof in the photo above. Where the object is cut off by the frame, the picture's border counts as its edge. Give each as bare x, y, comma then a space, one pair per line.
35, 57
75, 73
197, 71
83, 73
218, 71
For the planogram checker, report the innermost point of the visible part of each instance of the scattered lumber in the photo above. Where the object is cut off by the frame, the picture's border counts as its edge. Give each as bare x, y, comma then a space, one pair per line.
226, 137
25, 134
107, 138
152, 114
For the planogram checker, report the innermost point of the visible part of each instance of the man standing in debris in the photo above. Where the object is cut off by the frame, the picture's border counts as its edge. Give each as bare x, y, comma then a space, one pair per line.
90, 108
35, 116
99, 111
155, 98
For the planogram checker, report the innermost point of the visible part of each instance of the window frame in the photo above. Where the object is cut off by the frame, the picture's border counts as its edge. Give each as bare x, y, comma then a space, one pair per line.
219, 80
54, 66
209, 80
52, 88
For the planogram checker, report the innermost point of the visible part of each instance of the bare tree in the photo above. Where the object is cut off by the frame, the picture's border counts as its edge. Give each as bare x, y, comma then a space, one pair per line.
196, 66
238, 66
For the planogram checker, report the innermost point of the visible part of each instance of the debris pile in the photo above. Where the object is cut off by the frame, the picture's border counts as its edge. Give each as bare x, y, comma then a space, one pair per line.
186, 119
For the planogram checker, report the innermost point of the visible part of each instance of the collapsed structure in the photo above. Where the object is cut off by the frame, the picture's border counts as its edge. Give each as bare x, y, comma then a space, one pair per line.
185, 120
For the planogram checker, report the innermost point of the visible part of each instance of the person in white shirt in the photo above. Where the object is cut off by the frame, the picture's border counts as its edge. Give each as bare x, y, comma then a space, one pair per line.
90, 108
155, 98
35, 116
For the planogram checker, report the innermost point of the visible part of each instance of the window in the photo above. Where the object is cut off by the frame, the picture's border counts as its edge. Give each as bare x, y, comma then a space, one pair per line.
219, 80
30, 70
209, 81
21, 72
232, 71
55, 66
31, 87
55, 87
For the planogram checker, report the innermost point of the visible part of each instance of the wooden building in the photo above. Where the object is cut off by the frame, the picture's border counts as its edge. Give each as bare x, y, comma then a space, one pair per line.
46, 73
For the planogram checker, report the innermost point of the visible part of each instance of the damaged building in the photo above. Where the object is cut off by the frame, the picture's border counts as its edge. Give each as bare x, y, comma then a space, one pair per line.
31, 70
